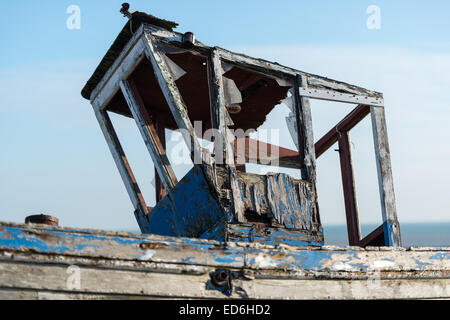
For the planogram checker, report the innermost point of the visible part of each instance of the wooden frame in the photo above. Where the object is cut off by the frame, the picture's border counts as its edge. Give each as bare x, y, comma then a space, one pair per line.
305, 132
124, 65
144, 43
348, 183
390, 229
174, 100
385, 179
149, 134
218, 109
121, 161
328, 95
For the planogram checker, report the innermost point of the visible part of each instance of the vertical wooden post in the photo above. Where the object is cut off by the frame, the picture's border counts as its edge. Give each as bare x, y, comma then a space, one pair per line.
161, 131
226, 146
307, 150
149, 134
121, 162
385, 179
348, 183
218, 108
305, 132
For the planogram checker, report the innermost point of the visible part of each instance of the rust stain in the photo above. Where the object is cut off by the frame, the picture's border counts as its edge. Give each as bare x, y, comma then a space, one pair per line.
279, 256
150, 246
45, 237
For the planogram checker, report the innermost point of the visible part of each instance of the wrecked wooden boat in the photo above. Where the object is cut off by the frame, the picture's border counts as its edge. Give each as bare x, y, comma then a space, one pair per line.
221, 231
45, 262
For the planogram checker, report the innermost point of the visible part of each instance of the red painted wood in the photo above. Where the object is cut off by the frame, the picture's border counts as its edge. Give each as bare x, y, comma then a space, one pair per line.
348, 183
375, 238
350, 121
261, 152
159, 188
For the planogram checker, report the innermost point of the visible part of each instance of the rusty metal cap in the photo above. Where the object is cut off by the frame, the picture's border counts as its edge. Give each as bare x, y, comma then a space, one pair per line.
188, 39
42, 219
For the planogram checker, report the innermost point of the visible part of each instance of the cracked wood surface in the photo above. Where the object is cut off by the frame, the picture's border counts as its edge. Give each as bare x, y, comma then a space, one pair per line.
34, 263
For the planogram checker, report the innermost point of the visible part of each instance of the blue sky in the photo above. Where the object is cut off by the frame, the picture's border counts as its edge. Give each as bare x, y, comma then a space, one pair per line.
36, 29
54, 158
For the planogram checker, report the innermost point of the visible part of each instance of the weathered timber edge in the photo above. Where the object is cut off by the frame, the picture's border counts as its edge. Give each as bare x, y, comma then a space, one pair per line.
34, 263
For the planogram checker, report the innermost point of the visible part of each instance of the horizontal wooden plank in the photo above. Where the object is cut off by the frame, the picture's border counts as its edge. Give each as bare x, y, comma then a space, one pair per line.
33, 294
332, 95
148, 248
261, 65
55, 282
248, 150
15, 239
314, 81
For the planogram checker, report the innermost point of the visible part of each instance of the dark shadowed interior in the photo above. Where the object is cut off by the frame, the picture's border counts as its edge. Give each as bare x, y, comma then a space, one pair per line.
260, 93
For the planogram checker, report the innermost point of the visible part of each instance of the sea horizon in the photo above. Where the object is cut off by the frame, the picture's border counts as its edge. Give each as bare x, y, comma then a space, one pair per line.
423, 234
414, 234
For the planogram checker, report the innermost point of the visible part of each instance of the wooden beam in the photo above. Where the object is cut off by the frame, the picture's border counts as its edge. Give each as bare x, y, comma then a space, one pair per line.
218, 111
260, 65
174, 101
385, 179
224, 150
300, 131
131, 55
305, 132
149, 134
374, 239
160, 192
252, 151
314, 81
348, 184
348, 123
332, 95
124, 65
121, 161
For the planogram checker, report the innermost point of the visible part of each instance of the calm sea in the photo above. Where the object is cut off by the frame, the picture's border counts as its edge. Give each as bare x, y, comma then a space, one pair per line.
413, 234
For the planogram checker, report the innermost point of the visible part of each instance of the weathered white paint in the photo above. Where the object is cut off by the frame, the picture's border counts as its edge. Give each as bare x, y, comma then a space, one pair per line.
303, 108
124, 65
148, 255
313, 80
383, 264
217, 93
156, 150
331, 95
49, 282
385, 178
121, 161
174, 100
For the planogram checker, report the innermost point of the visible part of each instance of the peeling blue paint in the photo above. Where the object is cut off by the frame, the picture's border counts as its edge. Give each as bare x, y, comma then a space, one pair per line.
197, 252
189, 211
274, 236
441, 256
390, 235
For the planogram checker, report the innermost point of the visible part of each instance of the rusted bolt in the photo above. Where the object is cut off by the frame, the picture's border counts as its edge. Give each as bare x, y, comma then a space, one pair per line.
189, 39
234, 108
221, 278
43, 219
